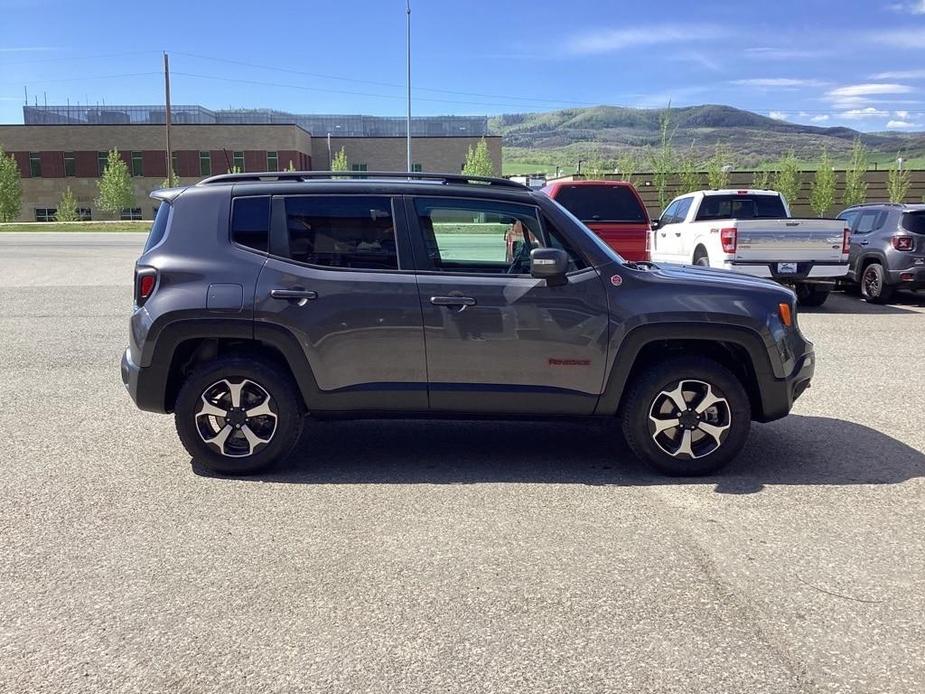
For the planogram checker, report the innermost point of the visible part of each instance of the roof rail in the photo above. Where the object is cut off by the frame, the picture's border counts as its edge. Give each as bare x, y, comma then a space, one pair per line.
876, 204
302, 176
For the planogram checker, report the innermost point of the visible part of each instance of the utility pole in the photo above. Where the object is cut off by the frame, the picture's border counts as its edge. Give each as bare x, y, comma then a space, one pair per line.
167, 116
408, 5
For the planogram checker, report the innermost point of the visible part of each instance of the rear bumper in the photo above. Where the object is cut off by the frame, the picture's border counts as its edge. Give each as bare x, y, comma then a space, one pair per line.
912, 277
778, 395
144, 387
805, 271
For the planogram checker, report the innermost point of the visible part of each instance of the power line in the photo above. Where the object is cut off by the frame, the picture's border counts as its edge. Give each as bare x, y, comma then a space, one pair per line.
77, 57
83, 78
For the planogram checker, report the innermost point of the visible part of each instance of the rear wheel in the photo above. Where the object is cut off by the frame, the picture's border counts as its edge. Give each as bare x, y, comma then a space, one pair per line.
238, 416
686, 416
701, 258
873, 286
812, 294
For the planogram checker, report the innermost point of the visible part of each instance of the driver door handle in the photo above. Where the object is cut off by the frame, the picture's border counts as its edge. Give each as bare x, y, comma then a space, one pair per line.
453, 301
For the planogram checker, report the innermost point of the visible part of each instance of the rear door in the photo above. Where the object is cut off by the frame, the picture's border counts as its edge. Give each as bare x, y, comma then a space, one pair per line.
339, 279
497, 339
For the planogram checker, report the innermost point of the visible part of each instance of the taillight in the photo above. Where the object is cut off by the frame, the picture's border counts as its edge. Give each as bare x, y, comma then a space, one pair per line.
846, 241
902, 243
145, 281
728, 237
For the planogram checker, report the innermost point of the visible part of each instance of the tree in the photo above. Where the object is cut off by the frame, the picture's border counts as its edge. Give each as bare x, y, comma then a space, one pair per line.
478, 163
67, 207
898, 180
291, 166
688, 174
627, 165
662, 159
172, 180
234, 169
718, 168
762, 179
855, 183
10, 188
789, 180
339, 162
117, 192
822, 192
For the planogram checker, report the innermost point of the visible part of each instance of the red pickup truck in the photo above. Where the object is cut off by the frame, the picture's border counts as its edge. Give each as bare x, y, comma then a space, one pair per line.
611, 209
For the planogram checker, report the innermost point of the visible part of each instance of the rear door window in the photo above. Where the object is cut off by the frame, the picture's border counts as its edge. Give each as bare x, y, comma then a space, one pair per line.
341, 231
602, 203
741, 207
867, 221
914, 222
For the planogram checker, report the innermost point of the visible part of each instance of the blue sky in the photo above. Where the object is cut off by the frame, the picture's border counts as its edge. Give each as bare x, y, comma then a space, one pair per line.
858, 63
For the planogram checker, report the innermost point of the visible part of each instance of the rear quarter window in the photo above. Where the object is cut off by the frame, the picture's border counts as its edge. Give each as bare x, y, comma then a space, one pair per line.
601, 203
250, 222
158, 227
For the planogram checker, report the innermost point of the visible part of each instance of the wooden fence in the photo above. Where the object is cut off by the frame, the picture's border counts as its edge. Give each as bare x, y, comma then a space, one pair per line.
876, 189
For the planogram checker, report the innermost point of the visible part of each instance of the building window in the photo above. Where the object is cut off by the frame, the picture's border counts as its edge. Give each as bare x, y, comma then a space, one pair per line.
45, 214
358, 167
84, 214
239, 161
35, 164
205, 164
130, 214
137, 166
272, 161
70, 164
101, 159
416, 168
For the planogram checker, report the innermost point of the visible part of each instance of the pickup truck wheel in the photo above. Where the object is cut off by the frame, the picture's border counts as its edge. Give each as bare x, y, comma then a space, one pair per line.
701, 258
812, 294
686, 416
237, 416
873, 287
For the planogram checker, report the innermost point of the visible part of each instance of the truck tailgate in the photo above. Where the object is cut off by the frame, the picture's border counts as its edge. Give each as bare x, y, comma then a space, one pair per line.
773, 240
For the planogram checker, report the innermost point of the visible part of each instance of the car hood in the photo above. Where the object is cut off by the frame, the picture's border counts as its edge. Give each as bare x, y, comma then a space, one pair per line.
712, 277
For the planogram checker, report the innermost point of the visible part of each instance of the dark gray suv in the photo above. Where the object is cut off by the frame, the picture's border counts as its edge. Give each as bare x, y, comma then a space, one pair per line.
263, 298
887, 248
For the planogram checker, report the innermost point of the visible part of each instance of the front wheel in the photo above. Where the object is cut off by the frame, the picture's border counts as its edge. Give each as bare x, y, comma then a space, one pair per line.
237, 415
812, 294
686, 416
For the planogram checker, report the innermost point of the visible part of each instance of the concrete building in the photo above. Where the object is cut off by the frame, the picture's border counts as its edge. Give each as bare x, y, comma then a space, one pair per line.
58, 147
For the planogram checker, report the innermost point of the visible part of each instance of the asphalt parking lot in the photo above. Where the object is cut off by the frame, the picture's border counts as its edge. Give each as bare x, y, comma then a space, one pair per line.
448, 557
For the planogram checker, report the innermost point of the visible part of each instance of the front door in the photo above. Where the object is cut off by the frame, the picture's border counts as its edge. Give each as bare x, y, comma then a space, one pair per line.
339, 278
497, 339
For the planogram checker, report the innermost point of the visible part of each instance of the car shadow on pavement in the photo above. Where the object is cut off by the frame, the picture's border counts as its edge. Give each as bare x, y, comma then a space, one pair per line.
796, 450
844, 303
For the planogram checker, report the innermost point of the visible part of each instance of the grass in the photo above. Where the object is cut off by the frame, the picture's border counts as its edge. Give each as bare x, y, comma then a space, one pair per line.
76, 226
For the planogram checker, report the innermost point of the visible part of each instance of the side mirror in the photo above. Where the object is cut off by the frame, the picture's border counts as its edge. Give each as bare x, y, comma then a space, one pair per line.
550, 264
655, 224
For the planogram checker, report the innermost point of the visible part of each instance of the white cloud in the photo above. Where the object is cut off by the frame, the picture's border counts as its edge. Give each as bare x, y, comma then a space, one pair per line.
870, 89
899, 75
902, 114
782, 82
909, 7
775, 53
777, 115
821, 118
611, 40
898, 38
861, 113
900, 124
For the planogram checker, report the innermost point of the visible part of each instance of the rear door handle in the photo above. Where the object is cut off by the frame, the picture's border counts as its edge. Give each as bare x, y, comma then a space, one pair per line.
299, 296
461, 301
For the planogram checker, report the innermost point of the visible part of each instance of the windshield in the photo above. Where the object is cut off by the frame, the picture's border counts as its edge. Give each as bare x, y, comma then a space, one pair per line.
741, 207
603, 203
611, 253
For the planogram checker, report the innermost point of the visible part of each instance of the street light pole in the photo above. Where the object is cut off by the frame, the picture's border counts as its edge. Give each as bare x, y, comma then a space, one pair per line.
169, 154
408, 124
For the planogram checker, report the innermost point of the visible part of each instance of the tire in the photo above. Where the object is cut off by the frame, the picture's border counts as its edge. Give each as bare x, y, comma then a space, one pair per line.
812, 294
648, 400
873, 286
205, 410
701, 259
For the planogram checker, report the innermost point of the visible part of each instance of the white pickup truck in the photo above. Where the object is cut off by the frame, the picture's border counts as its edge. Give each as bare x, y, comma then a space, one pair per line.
752, 232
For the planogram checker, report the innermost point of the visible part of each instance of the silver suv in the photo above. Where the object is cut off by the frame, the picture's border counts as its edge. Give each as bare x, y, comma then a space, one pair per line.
887, 248
260, 298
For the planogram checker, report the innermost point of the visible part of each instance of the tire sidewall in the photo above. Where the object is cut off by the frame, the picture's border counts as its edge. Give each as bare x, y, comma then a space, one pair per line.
876, 268
660, 377
280, 389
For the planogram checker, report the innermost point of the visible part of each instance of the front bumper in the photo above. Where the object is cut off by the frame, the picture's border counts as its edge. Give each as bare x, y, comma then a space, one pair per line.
779, 394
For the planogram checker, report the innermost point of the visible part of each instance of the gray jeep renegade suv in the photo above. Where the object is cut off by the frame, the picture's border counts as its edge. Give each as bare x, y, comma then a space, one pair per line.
263, 298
